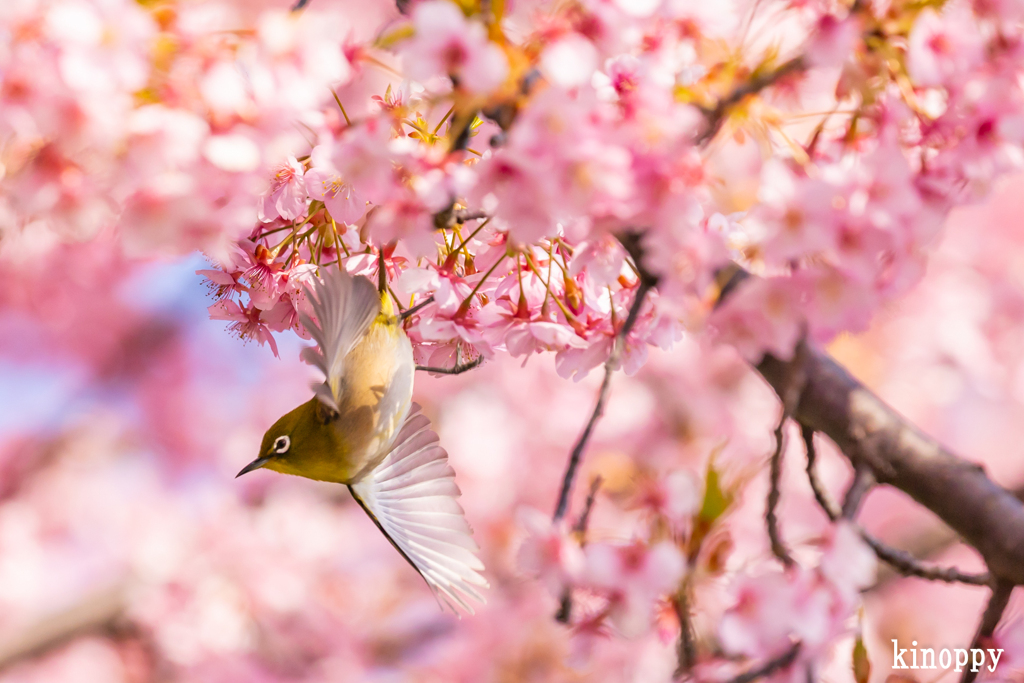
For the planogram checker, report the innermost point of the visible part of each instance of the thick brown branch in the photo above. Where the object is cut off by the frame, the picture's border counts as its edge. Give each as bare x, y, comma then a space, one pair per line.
873, 435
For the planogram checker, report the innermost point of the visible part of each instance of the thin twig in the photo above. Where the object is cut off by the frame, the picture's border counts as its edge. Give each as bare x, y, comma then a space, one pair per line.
417, 308
716, 117
686, 650
771, 519
465, 215
456, 370
820, 494
900, 560
863, 481
770, 667
907, 565
795, 383
643, 287
448, 218
989, 620
580, 529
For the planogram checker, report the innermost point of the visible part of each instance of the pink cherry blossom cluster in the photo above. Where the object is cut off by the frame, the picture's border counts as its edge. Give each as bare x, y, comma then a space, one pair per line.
502, 176
158, 124
525, 187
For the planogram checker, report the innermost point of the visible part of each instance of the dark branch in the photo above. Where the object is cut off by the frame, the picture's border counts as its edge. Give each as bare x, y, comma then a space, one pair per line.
989, 620
862, 482
873, 435
771, 519
643, 287
907, 565
900, 560
716, 117
581, 443
580, 529
456, 370
820, 494
686, 650
404, 315
769, 667
790, 397
448, 218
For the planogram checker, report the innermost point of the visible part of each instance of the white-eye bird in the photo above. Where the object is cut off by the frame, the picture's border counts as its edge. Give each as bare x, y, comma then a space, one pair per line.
362, 429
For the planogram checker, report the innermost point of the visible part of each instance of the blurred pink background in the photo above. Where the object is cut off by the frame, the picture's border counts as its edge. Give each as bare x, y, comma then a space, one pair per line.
128, 551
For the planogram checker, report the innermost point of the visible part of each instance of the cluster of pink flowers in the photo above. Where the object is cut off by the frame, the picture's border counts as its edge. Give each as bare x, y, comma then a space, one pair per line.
159, 124
505, 177
599, 135
773, 610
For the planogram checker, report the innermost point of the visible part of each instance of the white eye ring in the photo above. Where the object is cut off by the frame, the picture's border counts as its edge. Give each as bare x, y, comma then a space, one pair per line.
282, 444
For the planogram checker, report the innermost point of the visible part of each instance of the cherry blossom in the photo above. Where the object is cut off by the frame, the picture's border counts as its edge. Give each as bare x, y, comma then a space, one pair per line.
562, 191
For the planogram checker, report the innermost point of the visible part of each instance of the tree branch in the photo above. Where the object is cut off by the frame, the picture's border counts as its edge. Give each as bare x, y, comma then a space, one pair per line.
790, 396
862, 482
769, 667
907, 565
456, 369
873, 435
643, 287
404, 315
580, 529
771, 519
901, 561
686, 649
989, 620
716, 117
820, 494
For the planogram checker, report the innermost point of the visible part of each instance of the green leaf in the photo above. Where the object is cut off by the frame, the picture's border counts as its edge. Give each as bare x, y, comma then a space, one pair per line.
861, 663
716, 501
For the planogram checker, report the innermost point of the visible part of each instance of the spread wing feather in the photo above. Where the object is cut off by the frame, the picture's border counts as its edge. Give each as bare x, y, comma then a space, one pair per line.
411, 496
344, 306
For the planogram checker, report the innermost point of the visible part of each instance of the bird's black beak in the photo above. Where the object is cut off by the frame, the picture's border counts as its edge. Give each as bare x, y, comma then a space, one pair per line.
254, 465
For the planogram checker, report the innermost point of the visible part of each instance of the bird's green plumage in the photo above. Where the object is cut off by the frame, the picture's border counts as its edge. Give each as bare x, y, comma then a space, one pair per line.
317, 450
361, 429
374, 396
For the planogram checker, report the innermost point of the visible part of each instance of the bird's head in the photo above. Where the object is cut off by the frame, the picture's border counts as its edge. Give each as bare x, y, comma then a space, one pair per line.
284, 443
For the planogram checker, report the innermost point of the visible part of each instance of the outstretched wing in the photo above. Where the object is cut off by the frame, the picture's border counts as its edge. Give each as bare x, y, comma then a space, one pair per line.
344, 307
411, 496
